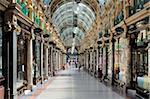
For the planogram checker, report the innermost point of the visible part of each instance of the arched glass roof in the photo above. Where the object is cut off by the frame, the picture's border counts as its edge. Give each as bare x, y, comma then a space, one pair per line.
73, 18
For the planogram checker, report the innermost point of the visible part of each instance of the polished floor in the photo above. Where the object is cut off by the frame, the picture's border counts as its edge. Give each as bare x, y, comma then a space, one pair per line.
74, 84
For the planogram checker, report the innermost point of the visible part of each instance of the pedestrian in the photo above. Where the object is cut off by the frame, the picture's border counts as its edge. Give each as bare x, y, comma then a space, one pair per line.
100, 73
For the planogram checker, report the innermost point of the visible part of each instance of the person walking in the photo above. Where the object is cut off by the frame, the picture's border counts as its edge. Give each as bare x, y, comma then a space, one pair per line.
100, 73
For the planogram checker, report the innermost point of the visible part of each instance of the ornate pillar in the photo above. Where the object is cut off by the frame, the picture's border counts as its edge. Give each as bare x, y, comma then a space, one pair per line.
51, 60
113, 60
97, 59
149, 59
94, 63
41, 68
59, 59
46, 61
90, 59
85, 59
29, 63
149, 64
10, 56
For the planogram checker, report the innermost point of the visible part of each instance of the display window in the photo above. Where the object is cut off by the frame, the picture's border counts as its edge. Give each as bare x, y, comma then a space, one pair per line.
21, 59
37, 58
140, 60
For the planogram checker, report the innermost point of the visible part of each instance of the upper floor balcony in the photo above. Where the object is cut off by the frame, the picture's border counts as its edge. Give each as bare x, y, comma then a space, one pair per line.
119, 18
137, 6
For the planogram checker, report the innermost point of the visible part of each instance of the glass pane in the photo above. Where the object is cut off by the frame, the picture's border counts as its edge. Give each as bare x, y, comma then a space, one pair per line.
20, 61
38, 61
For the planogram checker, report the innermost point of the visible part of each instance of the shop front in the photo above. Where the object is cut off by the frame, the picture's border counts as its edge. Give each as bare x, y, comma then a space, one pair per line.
37, 59
23, 58
140, 70
1, 57
120, 58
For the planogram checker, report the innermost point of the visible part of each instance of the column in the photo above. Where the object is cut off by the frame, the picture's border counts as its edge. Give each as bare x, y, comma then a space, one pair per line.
97, 58
149, 59
10, 58
84, 59
104, 61
29, 64
94, 65
56, 62
51, 60
149, 64
87, 60
41, 69
46, 61
90, 60
59, 59
113, 60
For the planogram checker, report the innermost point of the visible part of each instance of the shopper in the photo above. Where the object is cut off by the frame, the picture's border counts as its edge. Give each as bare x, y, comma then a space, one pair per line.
100, 73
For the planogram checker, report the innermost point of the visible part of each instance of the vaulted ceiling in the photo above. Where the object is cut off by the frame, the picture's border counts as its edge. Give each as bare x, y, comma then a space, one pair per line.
72, 18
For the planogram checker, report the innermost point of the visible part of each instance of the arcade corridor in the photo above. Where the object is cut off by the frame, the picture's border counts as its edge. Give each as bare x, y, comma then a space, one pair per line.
109, 40
75, 84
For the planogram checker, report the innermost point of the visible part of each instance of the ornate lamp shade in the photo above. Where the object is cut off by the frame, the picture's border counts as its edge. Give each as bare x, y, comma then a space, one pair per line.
99, 42
119, 30
131, 27
91, 47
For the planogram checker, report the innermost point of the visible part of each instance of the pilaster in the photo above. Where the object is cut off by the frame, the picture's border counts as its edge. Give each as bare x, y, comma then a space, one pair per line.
46, 61
41, 71
29, 63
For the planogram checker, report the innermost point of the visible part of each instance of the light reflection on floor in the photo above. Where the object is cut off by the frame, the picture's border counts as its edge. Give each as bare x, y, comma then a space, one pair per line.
72, 84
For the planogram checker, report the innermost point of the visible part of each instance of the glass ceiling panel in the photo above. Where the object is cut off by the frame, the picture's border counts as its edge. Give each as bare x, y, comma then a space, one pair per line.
47, 2
72, 18
70, 26
69, 31
67, 14
59, 14
64, 13
101, 2
69, 21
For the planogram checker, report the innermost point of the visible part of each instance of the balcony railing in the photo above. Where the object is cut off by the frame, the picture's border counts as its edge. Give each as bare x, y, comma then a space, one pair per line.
137, 7
119, 18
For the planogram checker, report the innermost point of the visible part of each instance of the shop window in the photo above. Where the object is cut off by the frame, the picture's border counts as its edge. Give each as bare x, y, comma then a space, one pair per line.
20, 60
140, 59
37, 57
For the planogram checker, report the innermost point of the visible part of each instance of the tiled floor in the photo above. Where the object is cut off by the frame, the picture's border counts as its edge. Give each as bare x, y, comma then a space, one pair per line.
74, 84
